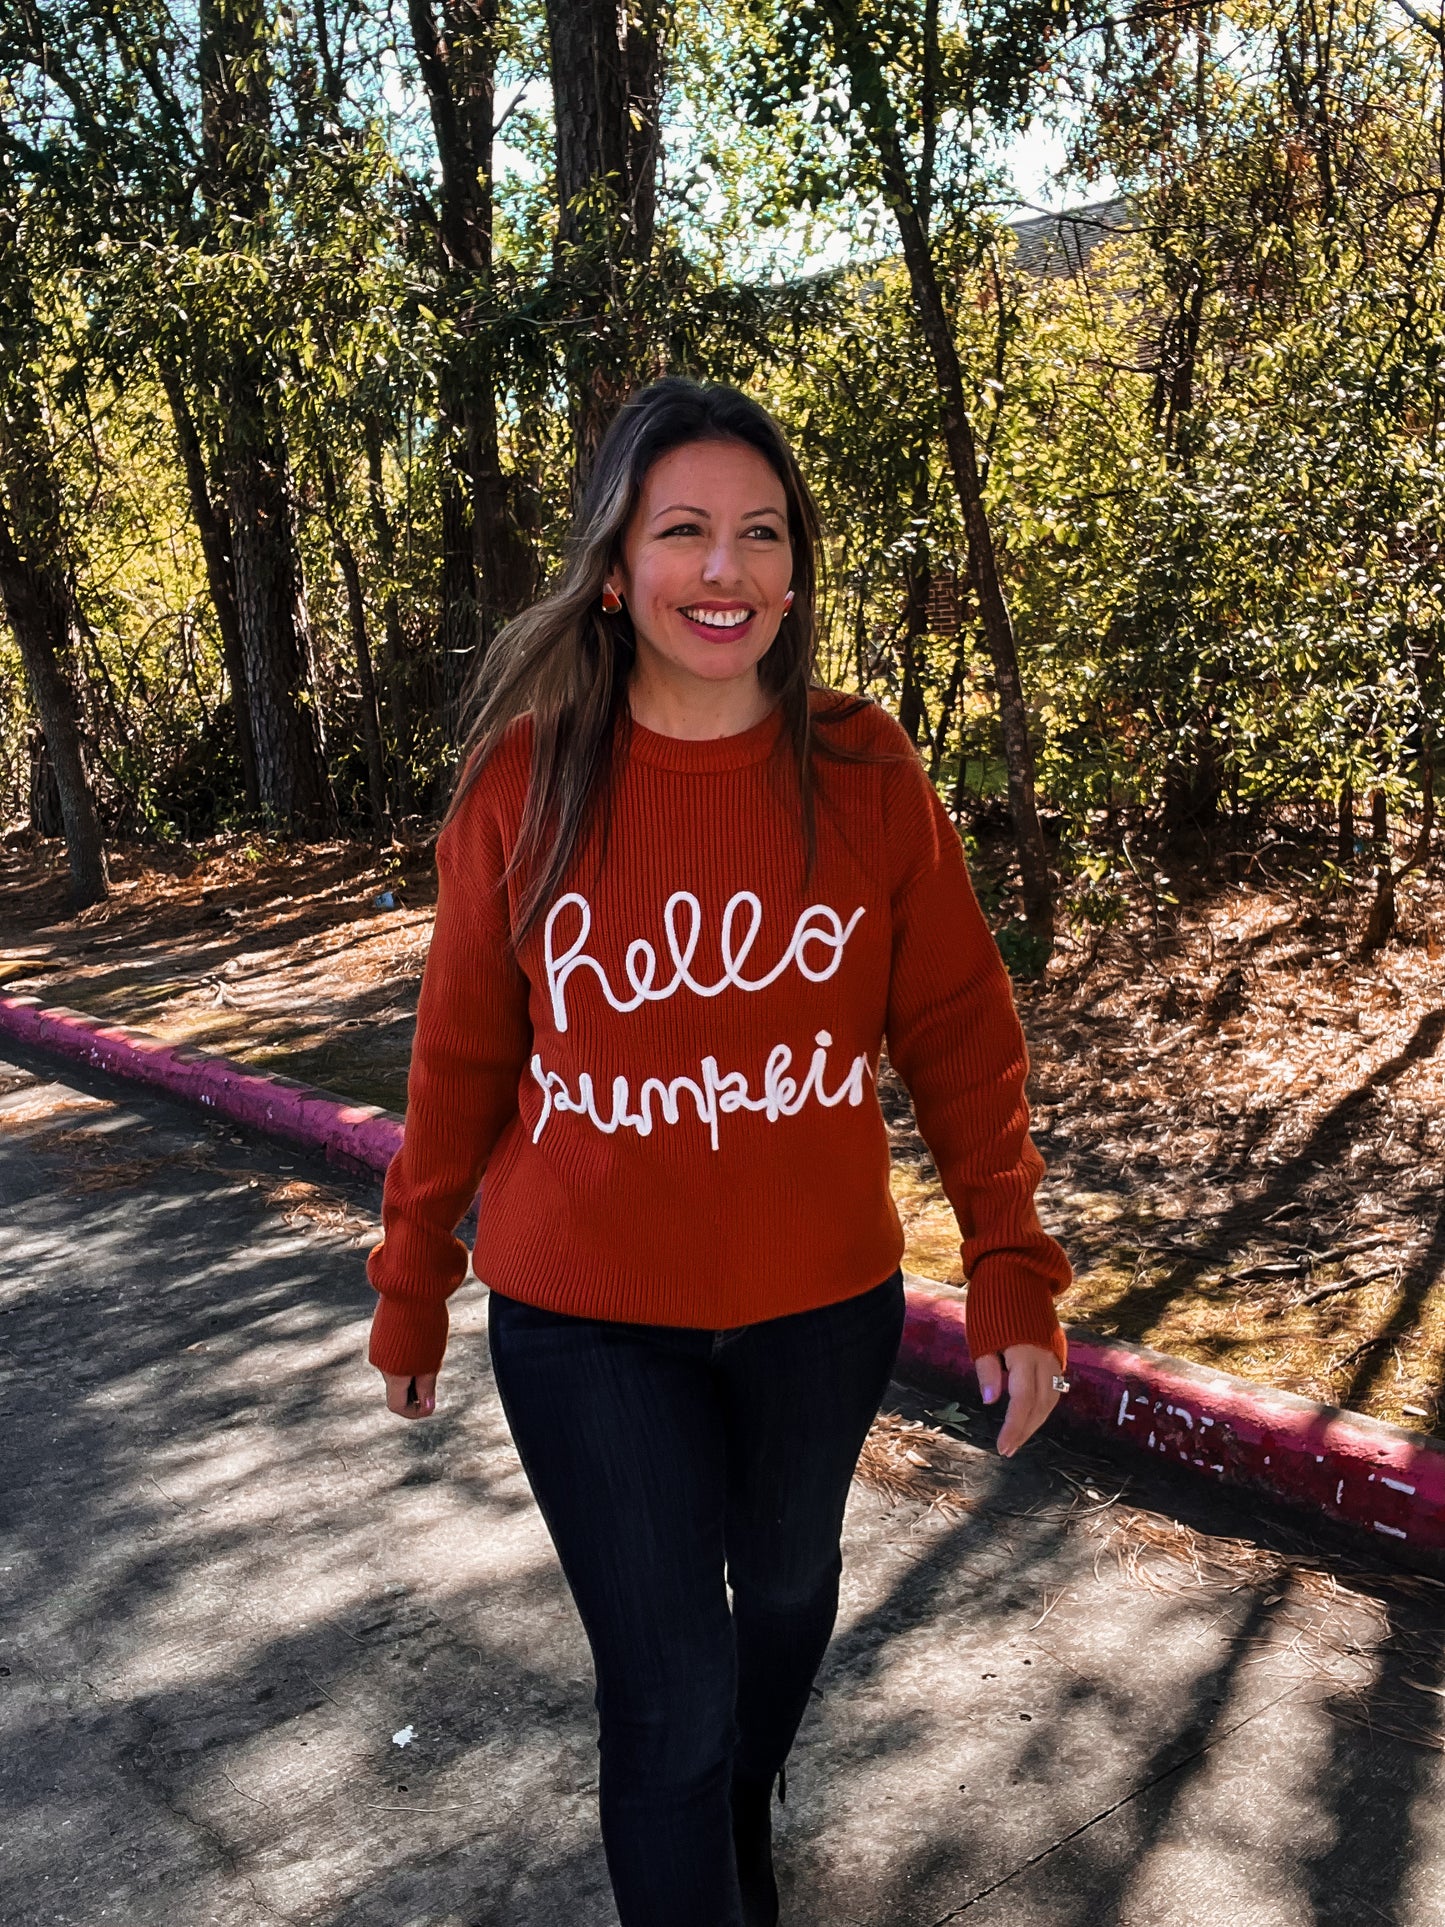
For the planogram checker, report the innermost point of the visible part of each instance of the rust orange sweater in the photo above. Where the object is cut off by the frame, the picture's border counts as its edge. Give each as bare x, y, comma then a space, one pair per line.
668, 1094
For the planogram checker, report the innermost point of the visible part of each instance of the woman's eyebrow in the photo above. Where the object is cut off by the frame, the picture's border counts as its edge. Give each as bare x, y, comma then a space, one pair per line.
691, 508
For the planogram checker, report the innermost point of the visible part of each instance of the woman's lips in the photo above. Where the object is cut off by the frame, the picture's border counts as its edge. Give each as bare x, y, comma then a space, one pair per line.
720, 632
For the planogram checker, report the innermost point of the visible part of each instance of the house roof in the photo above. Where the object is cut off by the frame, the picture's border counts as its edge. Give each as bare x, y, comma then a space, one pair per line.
1060, 244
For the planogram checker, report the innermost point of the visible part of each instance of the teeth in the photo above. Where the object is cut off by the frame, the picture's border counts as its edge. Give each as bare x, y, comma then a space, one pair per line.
719, 618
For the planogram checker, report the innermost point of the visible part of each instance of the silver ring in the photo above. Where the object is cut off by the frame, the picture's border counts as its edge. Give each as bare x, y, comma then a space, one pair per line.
1060, 1384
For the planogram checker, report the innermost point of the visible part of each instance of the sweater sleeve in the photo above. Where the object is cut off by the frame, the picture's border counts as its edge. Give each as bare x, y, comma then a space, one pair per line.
955, 1039
471, 1046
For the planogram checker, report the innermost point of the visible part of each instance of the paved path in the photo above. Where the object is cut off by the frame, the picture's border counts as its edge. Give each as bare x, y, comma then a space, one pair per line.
227, 1580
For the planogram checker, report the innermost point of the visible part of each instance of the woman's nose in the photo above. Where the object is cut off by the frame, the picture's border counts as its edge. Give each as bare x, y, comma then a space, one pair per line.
722, 566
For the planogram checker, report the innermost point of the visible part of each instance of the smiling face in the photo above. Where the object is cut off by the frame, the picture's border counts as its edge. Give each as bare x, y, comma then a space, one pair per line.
705, 565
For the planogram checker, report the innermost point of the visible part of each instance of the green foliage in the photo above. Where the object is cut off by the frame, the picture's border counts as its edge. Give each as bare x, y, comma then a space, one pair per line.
1213, 461
1239, 597
1022, 949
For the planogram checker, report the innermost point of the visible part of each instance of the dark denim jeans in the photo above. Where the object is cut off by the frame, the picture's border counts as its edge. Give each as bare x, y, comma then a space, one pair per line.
663, 1459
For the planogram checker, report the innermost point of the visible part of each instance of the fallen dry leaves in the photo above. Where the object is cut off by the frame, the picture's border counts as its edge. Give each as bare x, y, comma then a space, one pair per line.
100, 1160
1259, 1190
904, 1459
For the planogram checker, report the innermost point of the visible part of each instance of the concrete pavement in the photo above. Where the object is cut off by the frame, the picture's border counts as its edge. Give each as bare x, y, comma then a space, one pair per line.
228, 1580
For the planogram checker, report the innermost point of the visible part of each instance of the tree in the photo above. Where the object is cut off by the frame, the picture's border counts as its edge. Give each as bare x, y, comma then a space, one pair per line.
35, 580
991, 75
213, 527
275, 631
1203, 468
488, 568
606, 67
108, 137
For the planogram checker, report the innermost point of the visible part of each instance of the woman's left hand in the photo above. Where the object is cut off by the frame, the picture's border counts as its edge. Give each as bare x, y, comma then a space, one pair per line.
1031, 1394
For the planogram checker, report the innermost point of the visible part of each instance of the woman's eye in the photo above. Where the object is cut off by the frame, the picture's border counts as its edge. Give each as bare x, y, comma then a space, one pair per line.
682, 528
766, 530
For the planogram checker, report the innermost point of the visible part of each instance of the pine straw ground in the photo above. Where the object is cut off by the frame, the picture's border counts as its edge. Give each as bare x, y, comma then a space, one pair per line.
1244, 1124
1244, 1121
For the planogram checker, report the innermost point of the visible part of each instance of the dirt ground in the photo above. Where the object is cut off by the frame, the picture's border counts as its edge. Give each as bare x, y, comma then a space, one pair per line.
1243, 1119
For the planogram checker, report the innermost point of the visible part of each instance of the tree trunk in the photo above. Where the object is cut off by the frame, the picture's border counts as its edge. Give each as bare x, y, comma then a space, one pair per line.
1381, 922
644, 60
215, 537
361, 645
460, 630
1345, 837
35, 583
606, 69
1427, 665
870, 95
46, 817
1420, 856
503, 562
394, 663
915, 630
860, 640
457, 55
960, 782
275, 633
945, 715
366, 682
1178, 361
292, 779
37, 602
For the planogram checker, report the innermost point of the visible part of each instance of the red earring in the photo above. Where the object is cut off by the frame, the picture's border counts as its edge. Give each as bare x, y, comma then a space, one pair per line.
611, 601
787, 602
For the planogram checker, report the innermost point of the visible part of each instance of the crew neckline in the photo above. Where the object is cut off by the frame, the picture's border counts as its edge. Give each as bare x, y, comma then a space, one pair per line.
704, 754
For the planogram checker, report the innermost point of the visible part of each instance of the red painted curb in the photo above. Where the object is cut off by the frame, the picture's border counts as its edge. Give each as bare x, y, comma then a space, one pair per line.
362, 1137
1376, 1481
1380, 1483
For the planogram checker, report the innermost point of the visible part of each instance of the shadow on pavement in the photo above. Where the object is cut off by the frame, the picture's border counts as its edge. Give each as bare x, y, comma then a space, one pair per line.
231, 1586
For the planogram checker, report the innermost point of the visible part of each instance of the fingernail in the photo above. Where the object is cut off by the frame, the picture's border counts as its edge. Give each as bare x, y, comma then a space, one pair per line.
989, 1395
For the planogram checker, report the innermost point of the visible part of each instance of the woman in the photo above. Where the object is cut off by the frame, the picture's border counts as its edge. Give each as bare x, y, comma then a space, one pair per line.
684, 896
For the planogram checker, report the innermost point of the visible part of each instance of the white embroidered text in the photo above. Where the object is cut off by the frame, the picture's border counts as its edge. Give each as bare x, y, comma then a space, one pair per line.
818, 928
713, 1094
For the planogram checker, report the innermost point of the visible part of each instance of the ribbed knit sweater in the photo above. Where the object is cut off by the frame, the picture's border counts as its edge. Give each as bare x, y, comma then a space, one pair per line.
668, 1090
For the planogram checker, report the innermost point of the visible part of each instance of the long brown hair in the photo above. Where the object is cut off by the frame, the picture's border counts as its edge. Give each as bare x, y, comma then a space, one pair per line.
567, 662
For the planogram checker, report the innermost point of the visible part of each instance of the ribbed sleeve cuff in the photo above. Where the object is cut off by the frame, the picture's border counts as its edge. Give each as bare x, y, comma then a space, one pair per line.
1007, 1307
408, 1335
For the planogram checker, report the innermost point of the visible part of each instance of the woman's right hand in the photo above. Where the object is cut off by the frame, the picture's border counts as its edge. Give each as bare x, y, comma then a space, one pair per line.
411, 1396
